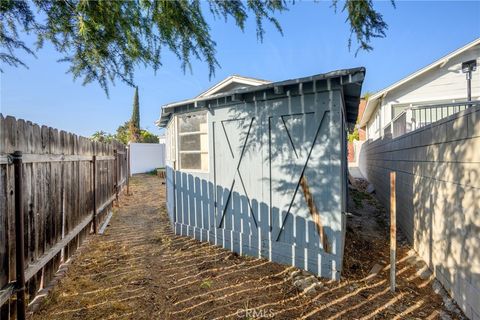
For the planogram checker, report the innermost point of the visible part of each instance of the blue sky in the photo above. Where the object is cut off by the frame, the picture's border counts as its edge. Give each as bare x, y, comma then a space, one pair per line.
314, 41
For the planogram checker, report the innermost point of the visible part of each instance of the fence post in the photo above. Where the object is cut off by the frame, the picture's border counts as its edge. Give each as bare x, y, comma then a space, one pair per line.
128, 170
393, 230
19, 236
115, 153
94, 192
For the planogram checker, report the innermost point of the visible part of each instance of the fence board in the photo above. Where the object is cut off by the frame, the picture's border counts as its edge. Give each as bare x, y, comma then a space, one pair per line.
4, 261
57, 198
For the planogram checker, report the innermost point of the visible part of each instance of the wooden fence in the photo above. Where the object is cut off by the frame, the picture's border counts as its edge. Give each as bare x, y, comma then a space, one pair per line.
62, 186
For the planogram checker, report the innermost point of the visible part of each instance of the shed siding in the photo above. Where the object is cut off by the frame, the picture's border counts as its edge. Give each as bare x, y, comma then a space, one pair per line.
253, 200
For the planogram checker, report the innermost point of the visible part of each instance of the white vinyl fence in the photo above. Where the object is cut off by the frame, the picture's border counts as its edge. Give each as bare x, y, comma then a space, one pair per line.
145, 157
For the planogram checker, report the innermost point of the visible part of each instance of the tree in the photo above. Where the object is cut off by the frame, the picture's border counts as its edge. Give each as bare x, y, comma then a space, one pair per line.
102, 136
106, 40
134, 125
148, 137
367, 95
365, 22
355, 135
123, 133
136, 110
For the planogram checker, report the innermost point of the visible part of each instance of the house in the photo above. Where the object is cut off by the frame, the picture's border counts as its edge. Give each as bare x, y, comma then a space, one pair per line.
405, 105
259, 168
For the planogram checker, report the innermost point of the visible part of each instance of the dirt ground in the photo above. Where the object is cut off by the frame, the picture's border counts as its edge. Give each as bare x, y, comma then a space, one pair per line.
140, 270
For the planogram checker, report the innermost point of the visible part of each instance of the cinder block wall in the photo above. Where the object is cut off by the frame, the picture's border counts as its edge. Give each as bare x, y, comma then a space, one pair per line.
438, 198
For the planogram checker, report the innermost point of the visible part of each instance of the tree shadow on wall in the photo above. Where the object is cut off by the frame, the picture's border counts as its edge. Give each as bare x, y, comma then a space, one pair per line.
291, 141
438, 196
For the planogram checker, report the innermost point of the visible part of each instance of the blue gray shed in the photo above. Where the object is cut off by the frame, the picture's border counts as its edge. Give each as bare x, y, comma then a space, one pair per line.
262, 170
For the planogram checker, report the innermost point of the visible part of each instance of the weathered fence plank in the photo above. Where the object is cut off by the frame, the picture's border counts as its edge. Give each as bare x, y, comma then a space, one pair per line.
57, 199
4, 263
10, 145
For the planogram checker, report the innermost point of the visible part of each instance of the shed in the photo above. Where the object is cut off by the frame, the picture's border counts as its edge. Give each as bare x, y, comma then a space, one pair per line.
262, 170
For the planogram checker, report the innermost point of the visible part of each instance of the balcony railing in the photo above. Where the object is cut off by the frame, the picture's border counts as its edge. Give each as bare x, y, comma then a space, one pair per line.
419, 116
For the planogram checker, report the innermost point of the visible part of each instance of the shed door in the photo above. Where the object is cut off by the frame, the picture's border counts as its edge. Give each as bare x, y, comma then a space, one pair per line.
238, 170
299, 178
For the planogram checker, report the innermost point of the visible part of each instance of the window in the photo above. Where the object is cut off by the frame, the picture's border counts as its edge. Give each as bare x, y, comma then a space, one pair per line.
193, 142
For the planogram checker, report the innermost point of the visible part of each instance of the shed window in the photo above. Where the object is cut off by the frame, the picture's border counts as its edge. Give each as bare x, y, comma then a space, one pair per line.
193, 142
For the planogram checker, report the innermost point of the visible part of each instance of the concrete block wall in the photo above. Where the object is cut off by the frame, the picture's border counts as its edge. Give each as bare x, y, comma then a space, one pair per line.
438, 198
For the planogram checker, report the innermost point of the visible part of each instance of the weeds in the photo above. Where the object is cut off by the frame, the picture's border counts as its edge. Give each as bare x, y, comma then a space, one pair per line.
152, 172
206, 284
358, 198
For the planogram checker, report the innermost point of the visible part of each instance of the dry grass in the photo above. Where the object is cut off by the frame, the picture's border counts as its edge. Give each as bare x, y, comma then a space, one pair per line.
140, 270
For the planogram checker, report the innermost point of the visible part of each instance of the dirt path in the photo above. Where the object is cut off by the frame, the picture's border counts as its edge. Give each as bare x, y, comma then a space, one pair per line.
140, 270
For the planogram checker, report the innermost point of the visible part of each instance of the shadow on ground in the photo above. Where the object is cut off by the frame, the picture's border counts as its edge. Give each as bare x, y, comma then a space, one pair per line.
140, 270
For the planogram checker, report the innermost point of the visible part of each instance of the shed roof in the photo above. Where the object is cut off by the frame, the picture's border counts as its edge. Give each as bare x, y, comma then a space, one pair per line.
349, 79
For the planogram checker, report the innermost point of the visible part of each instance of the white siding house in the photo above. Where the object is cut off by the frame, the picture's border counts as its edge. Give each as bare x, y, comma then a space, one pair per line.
442, 82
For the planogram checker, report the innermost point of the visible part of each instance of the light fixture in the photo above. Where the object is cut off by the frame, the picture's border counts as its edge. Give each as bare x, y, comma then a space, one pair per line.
467, 68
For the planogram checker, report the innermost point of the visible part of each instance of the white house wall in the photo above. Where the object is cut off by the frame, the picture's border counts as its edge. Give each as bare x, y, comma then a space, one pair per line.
445, 83
442, 84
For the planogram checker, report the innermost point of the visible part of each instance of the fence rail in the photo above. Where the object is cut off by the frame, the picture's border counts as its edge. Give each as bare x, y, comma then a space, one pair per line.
417, 117
61, 186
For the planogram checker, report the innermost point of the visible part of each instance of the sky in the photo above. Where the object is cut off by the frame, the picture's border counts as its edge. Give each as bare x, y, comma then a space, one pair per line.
315, 40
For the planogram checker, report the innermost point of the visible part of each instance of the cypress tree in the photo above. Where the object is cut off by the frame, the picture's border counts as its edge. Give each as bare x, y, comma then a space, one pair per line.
135, 120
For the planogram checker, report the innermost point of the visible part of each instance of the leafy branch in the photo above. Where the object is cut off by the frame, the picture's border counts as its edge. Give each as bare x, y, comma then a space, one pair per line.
103, 41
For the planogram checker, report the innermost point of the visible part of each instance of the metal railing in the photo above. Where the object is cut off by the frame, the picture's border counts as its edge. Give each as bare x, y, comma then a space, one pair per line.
417, 117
